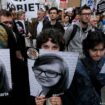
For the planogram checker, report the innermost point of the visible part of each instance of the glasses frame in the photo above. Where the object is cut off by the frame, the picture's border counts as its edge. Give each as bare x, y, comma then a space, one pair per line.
45, 72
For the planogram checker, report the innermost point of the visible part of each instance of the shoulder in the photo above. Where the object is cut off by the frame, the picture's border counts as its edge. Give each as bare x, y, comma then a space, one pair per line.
3, 30
80, 68
70, 27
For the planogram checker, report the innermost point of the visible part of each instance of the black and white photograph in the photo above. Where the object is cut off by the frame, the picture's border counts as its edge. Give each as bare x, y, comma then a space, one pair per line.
51, 73
5, 72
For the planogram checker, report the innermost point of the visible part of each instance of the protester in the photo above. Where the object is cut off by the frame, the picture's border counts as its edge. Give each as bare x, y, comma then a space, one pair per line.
8, 40
93, 21
89, 77
75, 44
38, 23
66, 22
50, 39
53, 23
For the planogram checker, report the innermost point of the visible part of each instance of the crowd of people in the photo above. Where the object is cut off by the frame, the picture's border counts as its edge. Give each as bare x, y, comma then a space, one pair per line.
75, 30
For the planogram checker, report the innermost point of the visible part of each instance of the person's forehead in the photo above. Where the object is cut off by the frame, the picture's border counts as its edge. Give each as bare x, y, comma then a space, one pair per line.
40, 11
53, 10
5, 18
50, 42
86, 11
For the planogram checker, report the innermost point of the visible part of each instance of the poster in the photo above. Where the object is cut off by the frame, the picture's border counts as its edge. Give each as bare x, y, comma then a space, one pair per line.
29, 6
101, 6
51, 73
5, 72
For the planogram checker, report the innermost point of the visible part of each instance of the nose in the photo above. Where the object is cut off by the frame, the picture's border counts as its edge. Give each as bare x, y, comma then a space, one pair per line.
43, 74
50, 49
98, 53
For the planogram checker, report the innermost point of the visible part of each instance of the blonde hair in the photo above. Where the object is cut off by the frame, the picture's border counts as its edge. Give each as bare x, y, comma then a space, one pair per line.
20, 13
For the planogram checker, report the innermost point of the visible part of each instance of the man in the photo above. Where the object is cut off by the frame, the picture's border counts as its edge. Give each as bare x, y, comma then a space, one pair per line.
8, 40
53, 23
38, 23
75, 45
6, 28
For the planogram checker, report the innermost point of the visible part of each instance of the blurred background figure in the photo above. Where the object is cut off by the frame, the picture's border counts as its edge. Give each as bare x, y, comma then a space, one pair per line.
66, 22
93, 21
99, 20
76, 15
103, 22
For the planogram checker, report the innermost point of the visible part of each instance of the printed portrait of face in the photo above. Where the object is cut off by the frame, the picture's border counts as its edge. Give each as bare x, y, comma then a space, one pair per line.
48, 74
49, 70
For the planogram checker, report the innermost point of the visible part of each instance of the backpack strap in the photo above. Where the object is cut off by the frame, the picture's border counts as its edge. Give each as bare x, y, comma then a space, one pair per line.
72, 34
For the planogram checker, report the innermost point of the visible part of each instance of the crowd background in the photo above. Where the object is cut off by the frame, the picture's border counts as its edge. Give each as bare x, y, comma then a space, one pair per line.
71, 26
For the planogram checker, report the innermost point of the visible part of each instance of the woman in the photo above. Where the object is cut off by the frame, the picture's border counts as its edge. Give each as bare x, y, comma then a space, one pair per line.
50, 40
88, 81
66, 22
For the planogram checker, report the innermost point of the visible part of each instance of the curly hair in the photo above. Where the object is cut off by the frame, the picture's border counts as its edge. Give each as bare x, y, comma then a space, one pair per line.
55, 35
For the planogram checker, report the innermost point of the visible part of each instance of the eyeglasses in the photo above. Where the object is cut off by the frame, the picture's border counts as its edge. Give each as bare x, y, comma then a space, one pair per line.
48, 73
86, 14
8, 22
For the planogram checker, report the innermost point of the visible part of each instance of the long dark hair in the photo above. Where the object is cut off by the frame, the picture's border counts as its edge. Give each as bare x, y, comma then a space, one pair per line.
94, 37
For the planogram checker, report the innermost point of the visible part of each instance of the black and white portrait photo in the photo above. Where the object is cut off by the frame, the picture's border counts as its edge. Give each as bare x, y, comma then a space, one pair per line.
5, 72
51, 73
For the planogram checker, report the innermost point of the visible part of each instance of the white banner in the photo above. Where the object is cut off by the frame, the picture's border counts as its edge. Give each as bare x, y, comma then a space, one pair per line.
30, 6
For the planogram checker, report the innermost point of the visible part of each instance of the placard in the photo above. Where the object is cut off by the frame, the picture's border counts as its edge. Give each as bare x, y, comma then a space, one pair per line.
51, 73
5, 72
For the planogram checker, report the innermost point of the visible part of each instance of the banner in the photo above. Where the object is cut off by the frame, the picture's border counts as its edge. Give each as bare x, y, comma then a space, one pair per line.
30, 6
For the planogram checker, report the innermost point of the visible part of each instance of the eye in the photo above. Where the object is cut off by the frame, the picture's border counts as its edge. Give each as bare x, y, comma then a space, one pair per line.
45, 46
55, 47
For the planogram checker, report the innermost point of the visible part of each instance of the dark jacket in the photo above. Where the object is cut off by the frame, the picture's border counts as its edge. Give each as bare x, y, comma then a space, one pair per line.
87, 83
34, 25
58, 26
